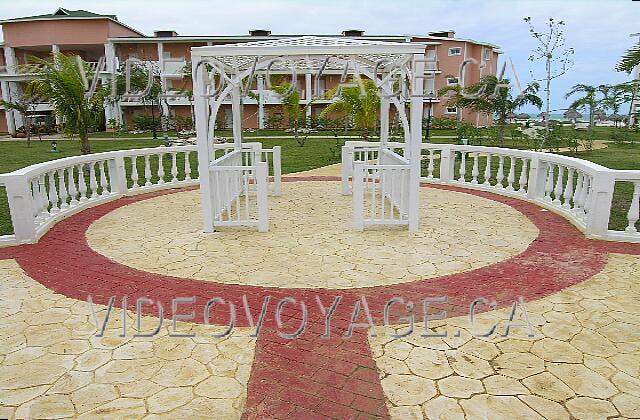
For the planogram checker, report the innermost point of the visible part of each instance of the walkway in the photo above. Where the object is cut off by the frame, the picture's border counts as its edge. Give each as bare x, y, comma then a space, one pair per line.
580, 298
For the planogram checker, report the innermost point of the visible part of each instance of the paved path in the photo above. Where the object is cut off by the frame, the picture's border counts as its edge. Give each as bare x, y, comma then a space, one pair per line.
581, 299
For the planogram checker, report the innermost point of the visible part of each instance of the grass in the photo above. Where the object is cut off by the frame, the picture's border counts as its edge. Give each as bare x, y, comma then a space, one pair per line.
316, 153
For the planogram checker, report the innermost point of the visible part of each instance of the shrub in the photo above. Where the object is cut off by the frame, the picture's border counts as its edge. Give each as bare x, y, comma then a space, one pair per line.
144, 122
443, 123
183, 123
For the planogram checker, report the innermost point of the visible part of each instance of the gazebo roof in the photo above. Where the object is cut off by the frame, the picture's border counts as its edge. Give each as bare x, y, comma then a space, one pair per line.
308, 52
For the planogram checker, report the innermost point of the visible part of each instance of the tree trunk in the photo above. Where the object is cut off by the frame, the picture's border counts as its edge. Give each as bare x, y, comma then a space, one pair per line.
85, 146
548, 104
27, 129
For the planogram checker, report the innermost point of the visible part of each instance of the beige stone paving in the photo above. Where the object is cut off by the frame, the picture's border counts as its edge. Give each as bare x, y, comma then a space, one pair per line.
52, 366
311, 242
583, 362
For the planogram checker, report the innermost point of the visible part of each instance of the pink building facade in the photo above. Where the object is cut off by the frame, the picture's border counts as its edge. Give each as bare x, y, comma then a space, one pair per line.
93, 36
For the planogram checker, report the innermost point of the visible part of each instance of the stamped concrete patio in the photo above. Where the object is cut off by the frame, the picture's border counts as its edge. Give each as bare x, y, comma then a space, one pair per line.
581, 299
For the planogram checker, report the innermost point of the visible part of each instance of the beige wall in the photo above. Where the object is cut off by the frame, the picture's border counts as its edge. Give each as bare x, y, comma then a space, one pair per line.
61, 32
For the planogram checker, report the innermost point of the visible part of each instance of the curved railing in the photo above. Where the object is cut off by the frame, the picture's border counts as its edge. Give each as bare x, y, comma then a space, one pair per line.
579, 190
40, 195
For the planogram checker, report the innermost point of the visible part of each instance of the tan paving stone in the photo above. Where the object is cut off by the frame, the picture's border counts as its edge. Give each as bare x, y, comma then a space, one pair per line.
168, 399
122, 408
443, 408
47, 407
546, 408
518, 365
502, 385
408, 389
459, 387
628, 405
590, 408
497, 407
428, 363
548, 386
93, 395
553, 350
583, 381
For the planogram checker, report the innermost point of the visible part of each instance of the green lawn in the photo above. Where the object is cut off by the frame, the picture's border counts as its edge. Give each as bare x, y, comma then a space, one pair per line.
315, 153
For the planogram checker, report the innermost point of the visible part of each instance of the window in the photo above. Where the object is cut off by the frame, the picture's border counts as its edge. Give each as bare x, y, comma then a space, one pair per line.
452, 81
486, 54
452, 110
455, 51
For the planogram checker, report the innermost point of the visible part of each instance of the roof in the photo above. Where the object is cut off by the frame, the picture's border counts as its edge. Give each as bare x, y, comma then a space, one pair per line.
308, 52
245, 38
63, 14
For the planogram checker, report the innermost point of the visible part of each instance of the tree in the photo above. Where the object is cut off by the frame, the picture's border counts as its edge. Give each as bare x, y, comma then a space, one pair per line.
62, 82
630, 60
139, 78
292, 108
558, 59
613, 97
362, 109
493, 96
23, 103
589, 100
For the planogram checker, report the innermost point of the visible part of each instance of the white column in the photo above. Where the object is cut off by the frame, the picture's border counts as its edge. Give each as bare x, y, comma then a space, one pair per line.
8, 115
236, 110
55, 49
205, 146
261, 93
307, 92
111, 109
417, 103
13, 89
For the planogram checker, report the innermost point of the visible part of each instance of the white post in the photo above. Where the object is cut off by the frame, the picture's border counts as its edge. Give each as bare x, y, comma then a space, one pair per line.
205, 145
307, 93
447, 164
358, 196
600, 209
537, 178
277, 170
417, 103
237, 117
117, 174
347, 164
8, 115
261, 93
21, 207
262, 191
384, 121
11, 63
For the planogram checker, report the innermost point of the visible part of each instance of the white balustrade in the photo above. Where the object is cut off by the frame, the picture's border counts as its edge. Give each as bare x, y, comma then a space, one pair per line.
42, 194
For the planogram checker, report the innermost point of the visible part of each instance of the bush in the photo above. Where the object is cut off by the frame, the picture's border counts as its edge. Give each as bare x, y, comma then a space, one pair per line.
443, 123
144, 122
183, 123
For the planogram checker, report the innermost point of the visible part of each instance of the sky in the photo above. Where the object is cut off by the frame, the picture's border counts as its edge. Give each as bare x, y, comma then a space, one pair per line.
597, 30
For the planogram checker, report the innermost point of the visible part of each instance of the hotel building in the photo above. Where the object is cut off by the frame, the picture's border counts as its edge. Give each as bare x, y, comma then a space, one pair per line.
92, 36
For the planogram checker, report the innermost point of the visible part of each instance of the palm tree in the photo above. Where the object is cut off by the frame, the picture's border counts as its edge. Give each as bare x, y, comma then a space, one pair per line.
489, 97
23, 104
292, 108
589, 100
362, 109
62, 83
630, 60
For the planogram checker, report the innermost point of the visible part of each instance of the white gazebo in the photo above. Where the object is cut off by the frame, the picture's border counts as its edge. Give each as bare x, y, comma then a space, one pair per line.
234, 186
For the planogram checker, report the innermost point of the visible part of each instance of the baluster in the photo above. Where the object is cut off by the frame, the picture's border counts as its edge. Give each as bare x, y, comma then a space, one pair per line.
134, 171
174, 167
35, 192
62, 190
487, 172
147, 171
430, 167
568, 190
82, 184
577, 205
73, 191
522, 181
548, 186
160, 169
103, 179
512, 173
582, 198
92, 180
463, 166
475, 171
557, 192
634, 209
53, 193
187, 167
589, 199
44, 198
500, 175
